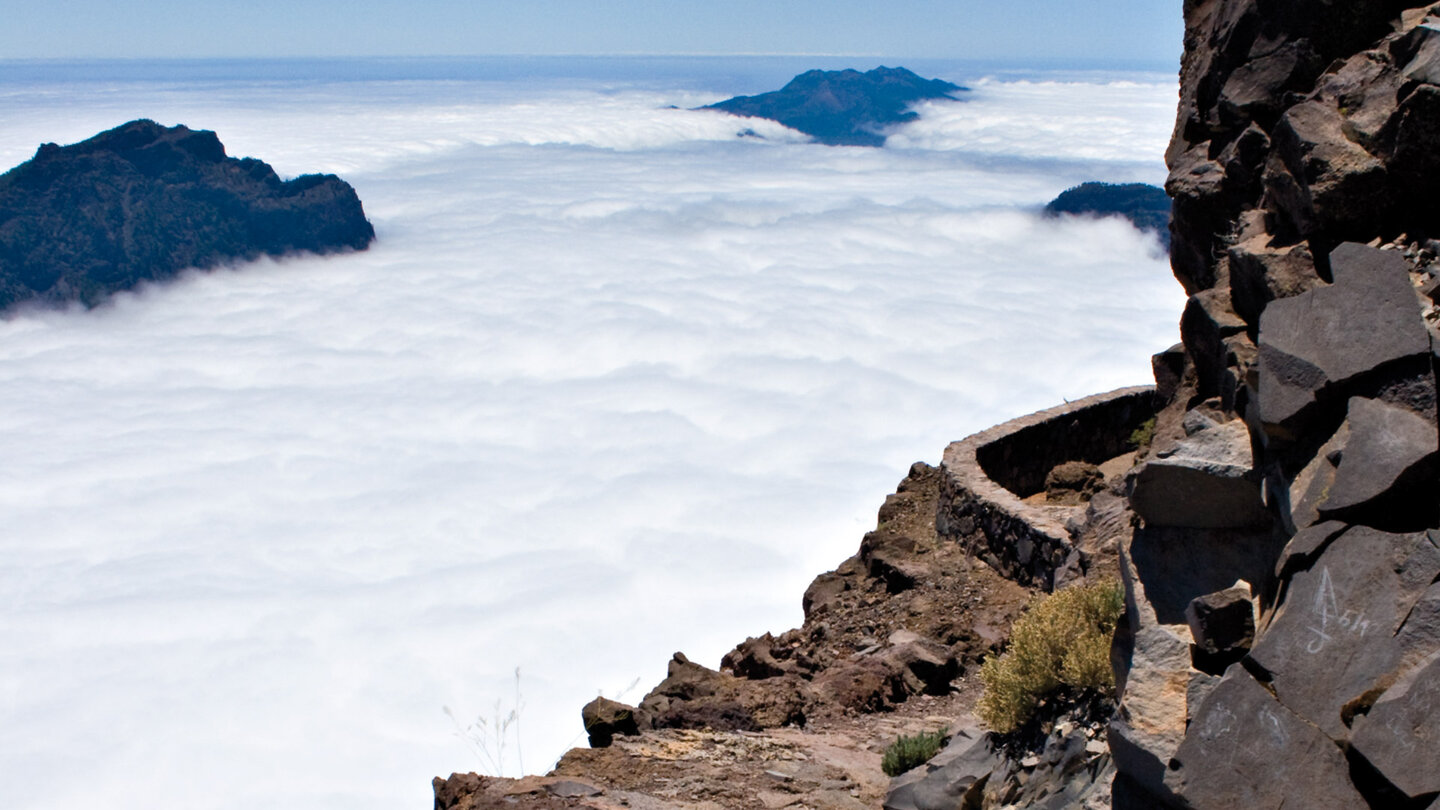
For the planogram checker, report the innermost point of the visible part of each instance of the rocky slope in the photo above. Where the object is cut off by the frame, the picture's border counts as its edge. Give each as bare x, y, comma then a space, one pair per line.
142, 202
890, 645
1278, 537
843, 107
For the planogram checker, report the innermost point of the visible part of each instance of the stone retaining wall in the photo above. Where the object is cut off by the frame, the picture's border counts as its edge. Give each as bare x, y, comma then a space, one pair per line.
986, 474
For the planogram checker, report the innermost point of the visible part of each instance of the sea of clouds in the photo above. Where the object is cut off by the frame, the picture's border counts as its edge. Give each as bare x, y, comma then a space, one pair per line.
613, 382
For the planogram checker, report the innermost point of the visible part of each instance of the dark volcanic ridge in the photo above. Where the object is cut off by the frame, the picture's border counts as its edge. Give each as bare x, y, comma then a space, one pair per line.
844, 107
142, 202
1146, 206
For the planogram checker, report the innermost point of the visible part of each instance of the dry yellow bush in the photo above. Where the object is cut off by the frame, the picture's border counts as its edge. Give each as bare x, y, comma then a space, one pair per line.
1063, 638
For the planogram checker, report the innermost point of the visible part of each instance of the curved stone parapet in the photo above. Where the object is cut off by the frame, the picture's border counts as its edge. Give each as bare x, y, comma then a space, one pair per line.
987, 476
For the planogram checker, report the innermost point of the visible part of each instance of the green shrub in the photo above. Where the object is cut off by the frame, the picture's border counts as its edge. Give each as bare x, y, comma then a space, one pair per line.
911, 751
1062, 639
1141, 437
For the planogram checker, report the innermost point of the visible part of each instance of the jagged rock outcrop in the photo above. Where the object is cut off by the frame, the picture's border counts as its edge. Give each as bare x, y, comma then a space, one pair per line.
843, 107
1303, 170
142, 202
604, 718
895, 621
1207, 480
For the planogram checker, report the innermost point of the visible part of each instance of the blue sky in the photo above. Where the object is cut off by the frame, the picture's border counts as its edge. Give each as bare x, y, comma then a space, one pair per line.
1145, 31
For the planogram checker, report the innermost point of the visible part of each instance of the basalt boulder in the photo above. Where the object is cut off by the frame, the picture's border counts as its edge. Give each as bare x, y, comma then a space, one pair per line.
605, 718
1223, 626
696, 697
1318, 347
1387, 471
1401, 732
1332, 647
1245, 749
1208, 480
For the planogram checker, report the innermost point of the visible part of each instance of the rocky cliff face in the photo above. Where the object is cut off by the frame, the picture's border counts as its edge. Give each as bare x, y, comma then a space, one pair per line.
1284, 638
142, 202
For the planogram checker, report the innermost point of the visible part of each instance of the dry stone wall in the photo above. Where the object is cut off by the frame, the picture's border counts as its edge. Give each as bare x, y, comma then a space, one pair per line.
986, 476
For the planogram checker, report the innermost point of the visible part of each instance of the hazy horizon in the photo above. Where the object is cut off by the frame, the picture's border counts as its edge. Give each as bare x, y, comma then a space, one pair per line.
1024, 30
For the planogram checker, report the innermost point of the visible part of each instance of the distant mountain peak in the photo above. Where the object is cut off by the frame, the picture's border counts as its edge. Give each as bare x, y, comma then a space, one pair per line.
843, 107
142, 201
1146, 206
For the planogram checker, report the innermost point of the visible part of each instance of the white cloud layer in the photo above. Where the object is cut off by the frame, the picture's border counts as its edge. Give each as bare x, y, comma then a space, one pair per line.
612, 383
1114, 122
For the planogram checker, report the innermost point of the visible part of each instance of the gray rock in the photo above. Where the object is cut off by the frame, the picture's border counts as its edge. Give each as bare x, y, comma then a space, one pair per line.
1168, 367
1178, 565
604, 718
1418, 53
1149, 722
823, 591
1332, 641
1073, 483
1316, 177
923, 667
693, 696
1318, 341
1207, 321
569, 789
1069, 773
1201, 685
753, 658
898, 569
1197, 420
1312, 485
1208, 481
1260, 273
1431, 288
459, 791
1302, 550
1386, 475
955, 775
1365, 91
1064, 778
1417, 139
1419, 637
1246, 750
1255, 87
1400, 736
1223, 626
